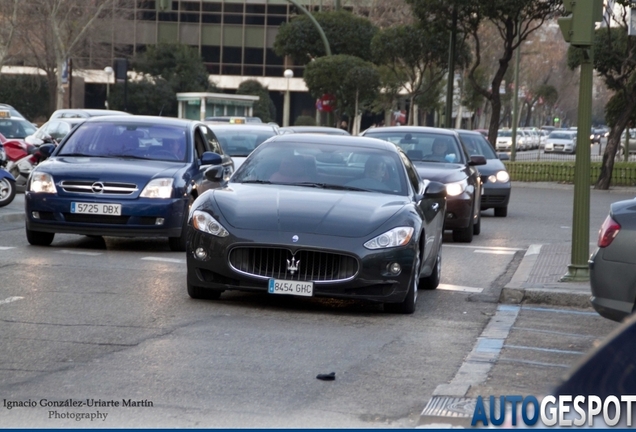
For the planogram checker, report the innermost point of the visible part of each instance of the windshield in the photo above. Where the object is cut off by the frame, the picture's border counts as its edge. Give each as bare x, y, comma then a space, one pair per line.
16, 128
504, 134
561, 135
477, 145
328, 166
141, 141
240, 142
424, 146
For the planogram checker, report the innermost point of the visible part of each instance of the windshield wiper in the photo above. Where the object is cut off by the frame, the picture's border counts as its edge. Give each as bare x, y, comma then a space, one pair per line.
331, 186
257, 181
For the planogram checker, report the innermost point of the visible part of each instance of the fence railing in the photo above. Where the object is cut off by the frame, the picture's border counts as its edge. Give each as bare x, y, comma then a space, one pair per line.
624, 173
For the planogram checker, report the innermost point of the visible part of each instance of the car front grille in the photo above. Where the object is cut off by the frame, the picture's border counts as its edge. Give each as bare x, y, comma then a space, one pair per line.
279, 263
98, 188
493, 199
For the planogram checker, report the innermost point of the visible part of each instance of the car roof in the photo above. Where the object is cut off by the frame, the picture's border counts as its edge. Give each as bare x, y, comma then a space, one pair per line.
239, 126
412, 129
173, 121
84, 112
325, 129
354, 141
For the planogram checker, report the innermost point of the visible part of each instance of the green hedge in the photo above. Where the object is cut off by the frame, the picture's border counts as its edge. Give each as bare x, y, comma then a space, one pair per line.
624, 173
29, 94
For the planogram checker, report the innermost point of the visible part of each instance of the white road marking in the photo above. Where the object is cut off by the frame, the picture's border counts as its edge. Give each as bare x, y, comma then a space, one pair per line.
10, 300
81, 253
483, 247
565, 227
447, 287
495, 252
171, 260
6, 247
533, 249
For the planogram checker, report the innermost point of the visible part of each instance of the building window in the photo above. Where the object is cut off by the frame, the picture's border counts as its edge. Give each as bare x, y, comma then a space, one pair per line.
232, 19
254, 56
233, 7
232, 55
212, 7
211, 54
211, 18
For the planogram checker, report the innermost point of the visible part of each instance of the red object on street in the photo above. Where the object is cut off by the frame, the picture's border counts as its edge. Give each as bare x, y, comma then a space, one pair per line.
326, 103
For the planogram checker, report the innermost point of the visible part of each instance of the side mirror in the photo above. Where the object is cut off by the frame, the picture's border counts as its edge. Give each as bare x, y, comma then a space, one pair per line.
211, 158
435, 190
46, 150
503, 156
477, 160
215, 173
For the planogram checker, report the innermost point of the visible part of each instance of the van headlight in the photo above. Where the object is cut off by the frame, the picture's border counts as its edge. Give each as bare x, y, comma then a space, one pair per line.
158, 188
42, 182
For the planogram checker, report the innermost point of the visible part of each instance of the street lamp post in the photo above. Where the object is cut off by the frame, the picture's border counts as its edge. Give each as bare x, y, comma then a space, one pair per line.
109, 72
288, 74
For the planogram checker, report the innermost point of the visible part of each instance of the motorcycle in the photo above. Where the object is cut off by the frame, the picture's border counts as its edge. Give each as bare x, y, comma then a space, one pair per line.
7, 181
22, 157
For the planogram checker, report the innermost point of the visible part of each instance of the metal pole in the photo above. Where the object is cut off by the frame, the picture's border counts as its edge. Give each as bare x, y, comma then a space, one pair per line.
515, 102
448, 120
286, 107
313, 20
578, 270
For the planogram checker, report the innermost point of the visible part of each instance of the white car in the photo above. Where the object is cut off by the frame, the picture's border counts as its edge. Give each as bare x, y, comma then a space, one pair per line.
561, 141
504, 140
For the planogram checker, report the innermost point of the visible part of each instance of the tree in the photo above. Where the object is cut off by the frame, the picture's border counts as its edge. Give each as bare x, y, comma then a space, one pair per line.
417, 55
8, 23
615, 61
543, 94
147, 96
264, 108
354, 82
514, 21
180, 65
347, 34
65, 24
176, 67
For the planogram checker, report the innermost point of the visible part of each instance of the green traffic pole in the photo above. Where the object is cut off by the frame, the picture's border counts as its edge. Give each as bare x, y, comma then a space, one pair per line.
578, 270
448, 117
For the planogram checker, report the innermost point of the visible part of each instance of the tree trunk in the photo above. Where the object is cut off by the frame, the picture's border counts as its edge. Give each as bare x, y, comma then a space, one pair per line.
613, 143
495, 104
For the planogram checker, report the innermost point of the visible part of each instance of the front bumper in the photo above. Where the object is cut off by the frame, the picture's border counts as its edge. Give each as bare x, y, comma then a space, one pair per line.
140, 217
372, 282
459, 211
495, 195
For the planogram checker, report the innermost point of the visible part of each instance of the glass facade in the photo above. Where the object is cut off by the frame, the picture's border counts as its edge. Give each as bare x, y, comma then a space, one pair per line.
234, 37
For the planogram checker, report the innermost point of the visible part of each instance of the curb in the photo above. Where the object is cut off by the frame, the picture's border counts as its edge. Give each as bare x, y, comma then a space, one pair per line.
519, 291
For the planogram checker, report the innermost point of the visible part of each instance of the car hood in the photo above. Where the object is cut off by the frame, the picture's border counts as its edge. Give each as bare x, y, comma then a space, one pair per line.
306, 210
492, 167
114, 169
560, 141
441, 172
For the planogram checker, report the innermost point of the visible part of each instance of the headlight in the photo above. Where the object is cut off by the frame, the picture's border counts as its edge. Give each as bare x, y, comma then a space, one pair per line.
454, 189
206, 223
396, 237
502, 176
42, 183
158, 188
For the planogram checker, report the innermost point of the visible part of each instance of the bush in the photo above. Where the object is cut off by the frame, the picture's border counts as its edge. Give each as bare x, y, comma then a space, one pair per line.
305, 120
29, 94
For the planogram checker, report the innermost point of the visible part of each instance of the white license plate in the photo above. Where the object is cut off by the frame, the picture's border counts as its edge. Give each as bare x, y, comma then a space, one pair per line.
96, 208
299, 288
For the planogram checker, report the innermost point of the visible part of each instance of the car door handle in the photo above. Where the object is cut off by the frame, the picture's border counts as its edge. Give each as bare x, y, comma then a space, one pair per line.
435, 206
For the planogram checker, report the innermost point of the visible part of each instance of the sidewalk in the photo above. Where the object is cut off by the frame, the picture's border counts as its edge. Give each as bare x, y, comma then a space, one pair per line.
536, 280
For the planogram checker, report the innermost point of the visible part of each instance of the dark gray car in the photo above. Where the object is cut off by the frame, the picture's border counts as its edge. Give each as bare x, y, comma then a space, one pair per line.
494, 176
613, 264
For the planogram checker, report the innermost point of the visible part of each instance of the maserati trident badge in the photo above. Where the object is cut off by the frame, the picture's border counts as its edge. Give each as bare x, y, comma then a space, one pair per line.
292, 265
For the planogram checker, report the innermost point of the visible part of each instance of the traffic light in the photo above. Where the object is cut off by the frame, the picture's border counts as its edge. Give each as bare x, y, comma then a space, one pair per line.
578, 26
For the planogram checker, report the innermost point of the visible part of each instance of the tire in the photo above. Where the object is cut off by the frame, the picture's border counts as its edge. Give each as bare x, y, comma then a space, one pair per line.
38, 238
501, 211
477, 226
407, 306
464, 235
178, 244
431, 282
7, 191
200, 293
